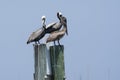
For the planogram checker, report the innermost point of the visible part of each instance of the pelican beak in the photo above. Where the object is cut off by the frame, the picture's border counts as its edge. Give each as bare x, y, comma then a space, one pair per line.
65, 25
64, 22
43, 23
66, 29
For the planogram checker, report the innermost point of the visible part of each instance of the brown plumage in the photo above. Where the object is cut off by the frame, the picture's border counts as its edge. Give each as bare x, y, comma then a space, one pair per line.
57, 35
38, 34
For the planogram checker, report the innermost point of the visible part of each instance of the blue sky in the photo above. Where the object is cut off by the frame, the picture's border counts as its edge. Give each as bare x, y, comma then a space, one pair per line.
92, 49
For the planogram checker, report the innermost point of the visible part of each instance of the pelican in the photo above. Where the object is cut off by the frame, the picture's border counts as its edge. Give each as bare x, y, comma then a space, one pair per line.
55, 26
38, 34
57, 35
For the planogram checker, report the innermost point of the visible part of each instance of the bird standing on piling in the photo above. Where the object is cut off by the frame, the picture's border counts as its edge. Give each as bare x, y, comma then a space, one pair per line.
38, 34
57, 35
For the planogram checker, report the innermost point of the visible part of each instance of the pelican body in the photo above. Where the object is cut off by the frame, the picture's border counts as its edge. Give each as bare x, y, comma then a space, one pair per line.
57, 35
55, 26
38, 34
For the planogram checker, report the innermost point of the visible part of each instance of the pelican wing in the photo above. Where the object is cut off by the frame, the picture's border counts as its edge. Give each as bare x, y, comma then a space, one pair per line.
36, 34
55, 36
51, 24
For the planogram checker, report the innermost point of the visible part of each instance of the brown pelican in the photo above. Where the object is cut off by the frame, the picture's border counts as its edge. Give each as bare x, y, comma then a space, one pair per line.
55, 26
57, 35
38, 34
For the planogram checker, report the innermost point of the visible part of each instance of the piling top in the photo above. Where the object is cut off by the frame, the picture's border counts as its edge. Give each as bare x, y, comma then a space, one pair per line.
39, 44
57, 46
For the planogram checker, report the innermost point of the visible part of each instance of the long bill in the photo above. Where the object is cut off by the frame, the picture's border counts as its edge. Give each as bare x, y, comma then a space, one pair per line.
66, 29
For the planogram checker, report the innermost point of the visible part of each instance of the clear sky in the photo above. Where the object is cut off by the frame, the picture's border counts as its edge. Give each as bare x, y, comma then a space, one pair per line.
92, 49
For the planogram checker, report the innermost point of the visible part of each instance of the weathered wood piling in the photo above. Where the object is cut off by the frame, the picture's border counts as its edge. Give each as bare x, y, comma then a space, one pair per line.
57, 62
56, 65
40, 61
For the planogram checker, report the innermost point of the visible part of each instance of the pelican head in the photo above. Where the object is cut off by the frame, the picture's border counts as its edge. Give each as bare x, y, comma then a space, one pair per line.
43, 18
59, 14
43, 21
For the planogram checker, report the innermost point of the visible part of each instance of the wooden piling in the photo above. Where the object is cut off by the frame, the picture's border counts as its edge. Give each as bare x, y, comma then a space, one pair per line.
57, 62
41, 65
40, 61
